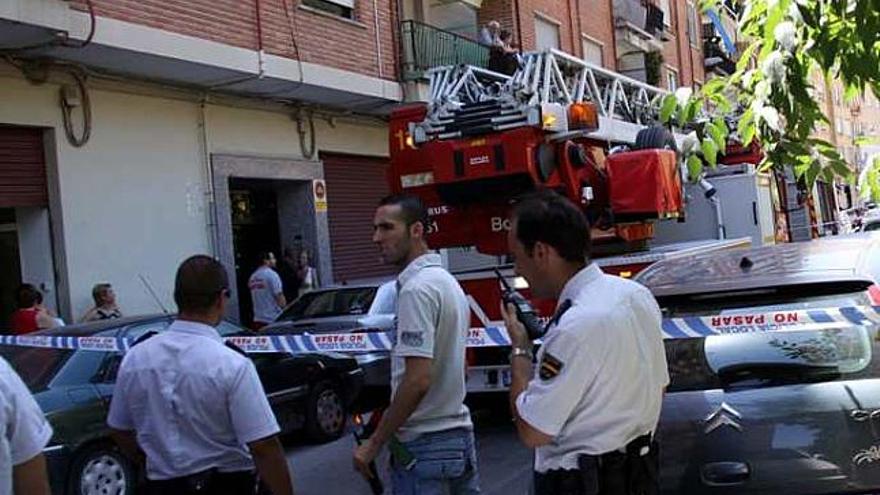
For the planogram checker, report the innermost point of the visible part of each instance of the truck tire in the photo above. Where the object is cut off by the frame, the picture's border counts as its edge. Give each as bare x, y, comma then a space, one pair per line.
656, 137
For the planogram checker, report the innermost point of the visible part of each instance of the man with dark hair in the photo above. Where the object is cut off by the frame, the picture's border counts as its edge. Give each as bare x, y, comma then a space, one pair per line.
289, 273
593, 404
193, 407
267, 291
427, 420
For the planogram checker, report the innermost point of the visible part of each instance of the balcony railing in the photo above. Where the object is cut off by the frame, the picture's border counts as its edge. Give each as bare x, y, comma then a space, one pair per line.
425, 47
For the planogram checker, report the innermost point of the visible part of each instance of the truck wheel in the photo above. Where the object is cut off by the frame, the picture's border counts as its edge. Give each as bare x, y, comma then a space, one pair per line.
102, 469
326, 414
656, 137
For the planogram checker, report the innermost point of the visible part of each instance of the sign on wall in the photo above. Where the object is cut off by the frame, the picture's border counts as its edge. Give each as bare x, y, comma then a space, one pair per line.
319, 189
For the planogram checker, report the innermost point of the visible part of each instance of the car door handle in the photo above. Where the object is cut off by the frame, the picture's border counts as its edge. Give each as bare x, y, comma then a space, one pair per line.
724, 473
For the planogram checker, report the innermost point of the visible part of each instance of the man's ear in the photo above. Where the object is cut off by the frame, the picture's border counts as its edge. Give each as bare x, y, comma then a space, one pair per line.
417, 229
542, 252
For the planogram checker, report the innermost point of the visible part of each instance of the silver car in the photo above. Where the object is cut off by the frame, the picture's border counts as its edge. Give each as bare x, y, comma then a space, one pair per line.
343, 309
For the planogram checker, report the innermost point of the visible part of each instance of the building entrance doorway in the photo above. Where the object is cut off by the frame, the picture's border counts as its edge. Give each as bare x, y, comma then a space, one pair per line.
255, 228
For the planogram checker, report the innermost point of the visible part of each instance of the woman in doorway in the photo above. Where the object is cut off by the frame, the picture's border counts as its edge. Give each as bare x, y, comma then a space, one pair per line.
307, 274
105, 304
31, 315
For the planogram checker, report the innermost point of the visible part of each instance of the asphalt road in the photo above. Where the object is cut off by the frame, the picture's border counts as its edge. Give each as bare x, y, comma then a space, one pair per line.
505, 465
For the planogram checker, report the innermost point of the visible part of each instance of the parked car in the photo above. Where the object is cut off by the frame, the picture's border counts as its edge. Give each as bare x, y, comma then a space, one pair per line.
309, 392
368, 307
793, 411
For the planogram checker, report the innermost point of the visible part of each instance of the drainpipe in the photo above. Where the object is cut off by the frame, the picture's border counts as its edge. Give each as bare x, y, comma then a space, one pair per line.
519, 31
210, 200
261, 63
378, 41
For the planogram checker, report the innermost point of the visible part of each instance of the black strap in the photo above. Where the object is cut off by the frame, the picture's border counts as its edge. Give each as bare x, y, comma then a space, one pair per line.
144, 337
565, 306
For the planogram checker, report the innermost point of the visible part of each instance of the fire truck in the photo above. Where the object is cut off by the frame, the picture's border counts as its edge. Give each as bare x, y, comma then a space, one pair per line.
484, 138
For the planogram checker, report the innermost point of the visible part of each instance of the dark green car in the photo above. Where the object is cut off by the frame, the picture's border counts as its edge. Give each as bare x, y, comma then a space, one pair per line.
308, 392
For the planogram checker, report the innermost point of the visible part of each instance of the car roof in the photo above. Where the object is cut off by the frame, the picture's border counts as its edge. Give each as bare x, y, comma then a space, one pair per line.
95, 327
814, 262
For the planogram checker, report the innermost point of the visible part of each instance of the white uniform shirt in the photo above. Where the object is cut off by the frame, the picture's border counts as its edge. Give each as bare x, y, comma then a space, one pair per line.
265, 285
24, 431
193, 403
433, 319
608, 351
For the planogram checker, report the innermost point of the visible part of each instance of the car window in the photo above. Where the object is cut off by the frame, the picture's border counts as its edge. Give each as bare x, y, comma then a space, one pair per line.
226, 329
41, 368
335, 302
385, 301
773, 358
791, 298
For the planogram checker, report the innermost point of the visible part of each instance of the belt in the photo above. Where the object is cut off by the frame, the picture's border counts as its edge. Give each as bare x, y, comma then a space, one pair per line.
208, 482
630, 470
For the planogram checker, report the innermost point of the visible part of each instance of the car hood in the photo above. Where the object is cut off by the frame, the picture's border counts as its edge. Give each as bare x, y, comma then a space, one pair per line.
59, 399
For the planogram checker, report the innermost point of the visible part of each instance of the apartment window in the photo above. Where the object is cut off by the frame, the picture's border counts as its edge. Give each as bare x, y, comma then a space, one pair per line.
546, 34
671, 79
341, 8
693, 23
592, 51
667, 17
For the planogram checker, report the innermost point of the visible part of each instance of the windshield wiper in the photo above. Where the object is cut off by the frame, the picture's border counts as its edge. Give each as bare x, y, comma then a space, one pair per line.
777, 372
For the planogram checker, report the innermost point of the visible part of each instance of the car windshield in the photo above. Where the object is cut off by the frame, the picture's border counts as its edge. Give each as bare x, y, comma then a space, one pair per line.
334, 302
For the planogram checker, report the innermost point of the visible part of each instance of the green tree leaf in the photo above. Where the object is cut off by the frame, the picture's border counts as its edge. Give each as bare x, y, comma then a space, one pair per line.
710, 151
718, 133
695, 168
667, 108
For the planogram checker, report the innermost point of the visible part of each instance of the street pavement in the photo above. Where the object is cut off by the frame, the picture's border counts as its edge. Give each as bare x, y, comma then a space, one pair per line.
505, 464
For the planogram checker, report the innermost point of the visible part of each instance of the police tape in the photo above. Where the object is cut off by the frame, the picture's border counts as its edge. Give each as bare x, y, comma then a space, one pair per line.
492, 336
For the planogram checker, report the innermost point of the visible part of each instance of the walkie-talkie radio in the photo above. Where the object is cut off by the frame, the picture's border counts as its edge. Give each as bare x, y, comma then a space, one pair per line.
525, 313
362, 432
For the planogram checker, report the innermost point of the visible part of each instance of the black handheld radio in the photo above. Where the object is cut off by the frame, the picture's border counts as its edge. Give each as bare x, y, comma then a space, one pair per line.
525, 313
362, 432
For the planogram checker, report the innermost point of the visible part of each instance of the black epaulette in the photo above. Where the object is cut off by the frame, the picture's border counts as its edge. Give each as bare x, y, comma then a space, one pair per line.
235, 348
143, 337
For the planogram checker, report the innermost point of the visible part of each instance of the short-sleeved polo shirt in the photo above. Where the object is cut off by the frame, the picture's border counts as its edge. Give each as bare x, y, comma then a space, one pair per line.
433, 319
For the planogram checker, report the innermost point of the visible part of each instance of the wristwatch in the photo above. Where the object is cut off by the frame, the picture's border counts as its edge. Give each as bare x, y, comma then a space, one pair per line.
520, 351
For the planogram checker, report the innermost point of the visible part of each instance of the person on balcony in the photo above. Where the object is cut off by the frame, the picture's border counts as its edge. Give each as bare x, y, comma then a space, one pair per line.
489, 35
504, 57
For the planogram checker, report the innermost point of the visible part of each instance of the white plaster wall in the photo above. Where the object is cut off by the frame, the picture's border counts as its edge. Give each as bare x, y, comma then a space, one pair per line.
254, 132
133, 199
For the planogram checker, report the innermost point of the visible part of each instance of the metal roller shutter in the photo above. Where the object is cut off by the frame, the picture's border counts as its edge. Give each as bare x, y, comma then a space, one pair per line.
354, 185
22, 167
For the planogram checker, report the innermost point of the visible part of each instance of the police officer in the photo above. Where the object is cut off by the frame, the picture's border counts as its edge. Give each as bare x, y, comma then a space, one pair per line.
194, 407
592, 406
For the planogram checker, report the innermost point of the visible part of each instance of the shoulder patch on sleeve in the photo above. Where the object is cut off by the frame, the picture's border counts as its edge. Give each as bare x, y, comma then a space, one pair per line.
550, 366
412, 339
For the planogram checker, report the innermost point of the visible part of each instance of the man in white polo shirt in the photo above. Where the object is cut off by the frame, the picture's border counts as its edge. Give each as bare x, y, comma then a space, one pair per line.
427, 426
594, 401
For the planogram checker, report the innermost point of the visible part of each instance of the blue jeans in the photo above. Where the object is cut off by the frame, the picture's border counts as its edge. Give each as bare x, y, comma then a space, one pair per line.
446, 463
